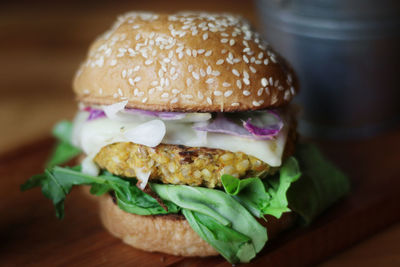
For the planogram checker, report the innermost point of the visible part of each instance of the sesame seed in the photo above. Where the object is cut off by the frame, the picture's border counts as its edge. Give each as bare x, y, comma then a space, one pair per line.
202, 73
216, 73
219, 61
164, 95
260, 55
271, 81
167, 60
154, 83
174, 100
113, 62
292, 90
188, 81
209, 70
200, 51
260, 91
120, 92
239, 84
246, 92
287, 95
255, 103
130, 80
137, 79
194, 52
124, 74
267, 90
245, 59
228, 93
245, 75
195, 75
210, 80
137, 36
231, 42
223, 51
200, 95
205, 36
148, 62
236, 72
252, 69
273, 59
235, 104
224, 40
217, 93
258, 62
266, 61
190, 68
209, 101
136, 68
172, 71
175, 91
188, 52
208, 53
246, 81
115, 95
264, 82
225, 84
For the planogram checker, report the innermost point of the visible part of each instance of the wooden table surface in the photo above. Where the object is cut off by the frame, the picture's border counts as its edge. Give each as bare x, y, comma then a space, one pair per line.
42, 44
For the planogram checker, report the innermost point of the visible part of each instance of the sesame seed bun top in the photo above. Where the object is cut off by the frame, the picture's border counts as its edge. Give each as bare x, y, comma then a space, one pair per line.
184, 62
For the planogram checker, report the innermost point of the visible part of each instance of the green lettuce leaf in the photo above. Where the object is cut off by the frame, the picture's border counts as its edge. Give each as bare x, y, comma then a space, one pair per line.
267, 196
277, 188
57, 182
320, 186
233, 246
222, 211
250, 192
63, 151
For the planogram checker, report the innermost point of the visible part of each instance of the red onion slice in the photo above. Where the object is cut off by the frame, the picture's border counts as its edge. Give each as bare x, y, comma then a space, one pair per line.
266, 131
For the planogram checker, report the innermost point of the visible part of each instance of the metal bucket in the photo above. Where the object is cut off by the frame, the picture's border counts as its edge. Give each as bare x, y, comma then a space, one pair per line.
347, 56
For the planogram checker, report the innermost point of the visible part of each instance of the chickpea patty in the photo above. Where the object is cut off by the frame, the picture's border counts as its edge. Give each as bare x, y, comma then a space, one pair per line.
176, 164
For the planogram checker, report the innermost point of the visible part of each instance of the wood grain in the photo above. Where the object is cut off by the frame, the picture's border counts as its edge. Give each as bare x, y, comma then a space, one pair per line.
31, 235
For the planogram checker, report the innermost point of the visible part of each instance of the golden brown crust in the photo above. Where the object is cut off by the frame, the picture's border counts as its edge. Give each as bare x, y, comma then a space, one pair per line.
167, 234
177, 164
184, 62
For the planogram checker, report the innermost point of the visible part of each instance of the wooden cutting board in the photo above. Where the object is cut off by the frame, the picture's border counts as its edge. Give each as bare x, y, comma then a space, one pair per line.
31, 235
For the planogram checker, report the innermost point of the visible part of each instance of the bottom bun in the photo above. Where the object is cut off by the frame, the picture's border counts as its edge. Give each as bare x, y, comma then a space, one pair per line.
170, 234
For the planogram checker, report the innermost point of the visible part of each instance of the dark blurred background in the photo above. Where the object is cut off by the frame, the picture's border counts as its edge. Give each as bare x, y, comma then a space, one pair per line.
43, 42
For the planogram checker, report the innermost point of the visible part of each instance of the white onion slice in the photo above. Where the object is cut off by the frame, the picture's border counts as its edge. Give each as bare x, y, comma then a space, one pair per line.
150, 133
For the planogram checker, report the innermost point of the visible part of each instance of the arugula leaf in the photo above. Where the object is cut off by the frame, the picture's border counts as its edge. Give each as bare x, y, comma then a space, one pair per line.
250, 192
277, 188
320, 186
267, 196
57, 182
233, 246
222, 212
63, 131
64, 151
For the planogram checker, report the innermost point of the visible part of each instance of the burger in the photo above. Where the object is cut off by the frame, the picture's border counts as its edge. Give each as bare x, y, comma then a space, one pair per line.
187, 137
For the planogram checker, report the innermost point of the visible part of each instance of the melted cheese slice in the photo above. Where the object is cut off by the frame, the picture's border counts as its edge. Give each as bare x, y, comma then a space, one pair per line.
93, 135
